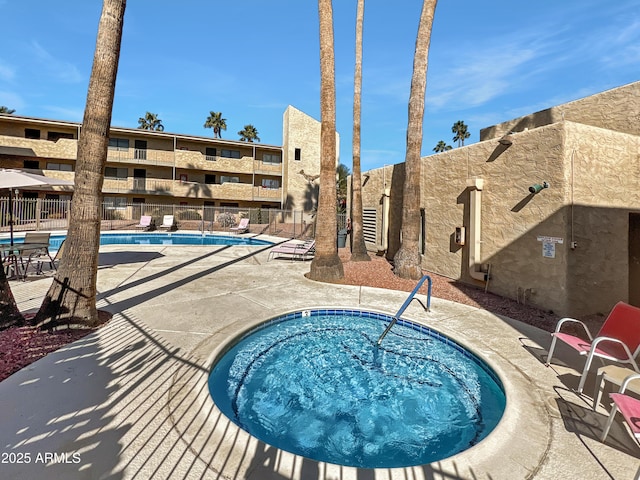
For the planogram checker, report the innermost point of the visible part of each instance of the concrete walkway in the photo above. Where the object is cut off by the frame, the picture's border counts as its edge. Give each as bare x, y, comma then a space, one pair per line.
130, 401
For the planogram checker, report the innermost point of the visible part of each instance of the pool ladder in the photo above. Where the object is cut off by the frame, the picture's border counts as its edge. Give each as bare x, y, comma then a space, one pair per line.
412, 296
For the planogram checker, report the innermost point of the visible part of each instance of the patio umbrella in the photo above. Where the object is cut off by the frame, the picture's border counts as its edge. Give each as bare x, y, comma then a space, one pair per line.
10, 179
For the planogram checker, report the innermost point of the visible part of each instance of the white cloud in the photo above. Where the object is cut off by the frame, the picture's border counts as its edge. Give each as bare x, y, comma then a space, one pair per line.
11, 100
7, 72
64, 71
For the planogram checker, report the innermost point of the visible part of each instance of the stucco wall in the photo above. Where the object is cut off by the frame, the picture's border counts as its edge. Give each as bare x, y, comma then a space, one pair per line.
617, 109
605, 169
303, 132
597, 169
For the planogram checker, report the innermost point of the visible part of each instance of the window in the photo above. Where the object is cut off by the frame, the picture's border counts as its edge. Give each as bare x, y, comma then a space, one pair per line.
271, 158
229, 204
32, 133
209, 179
115, 203
297, 154
230, 153
210, 154
113, 172
64, 167
119, 144
270, 183
55, 136
32, 164
229, 179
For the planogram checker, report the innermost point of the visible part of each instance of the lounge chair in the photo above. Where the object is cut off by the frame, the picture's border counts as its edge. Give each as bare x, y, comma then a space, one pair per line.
145, 222
242, 227
294, 249
618, 337
167, 223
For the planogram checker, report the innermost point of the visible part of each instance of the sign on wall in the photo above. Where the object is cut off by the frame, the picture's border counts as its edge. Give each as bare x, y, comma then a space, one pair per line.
549, 245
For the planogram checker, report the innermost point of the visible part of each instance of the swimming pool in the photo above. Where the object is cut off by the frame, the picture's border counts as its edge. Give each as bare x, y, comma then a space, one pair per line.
314, 383
161, 239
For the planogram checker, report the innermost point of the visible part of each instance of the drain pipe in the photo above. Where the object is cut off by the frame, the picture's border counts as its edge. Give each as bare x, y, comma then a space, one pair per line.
385, 219
475, 222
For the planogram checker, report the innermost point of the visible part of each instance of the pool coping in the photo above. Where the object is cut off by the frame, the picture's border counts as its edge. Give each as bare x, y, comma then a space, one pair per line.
234, 453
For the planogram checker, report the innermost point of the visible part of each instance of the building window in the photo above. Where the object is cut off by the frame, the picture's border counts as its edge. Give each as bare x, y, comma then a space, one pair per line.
32, 133
297, 154
55, 136
272, 158
209, 179
230, 153
113, 172
229, 204
115, 203
35, 164
270, 183
63, 167
210, 154
119, 144
229, 179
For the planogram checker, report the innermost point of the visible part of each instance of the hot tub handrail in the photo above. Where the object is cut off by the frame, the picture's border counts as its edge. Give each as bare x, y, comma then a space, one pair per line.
412, 296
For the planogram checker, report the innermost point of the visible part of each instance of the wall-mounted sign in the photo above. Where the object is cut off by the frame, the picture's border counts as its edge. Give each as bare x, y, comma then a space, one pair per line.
549, 245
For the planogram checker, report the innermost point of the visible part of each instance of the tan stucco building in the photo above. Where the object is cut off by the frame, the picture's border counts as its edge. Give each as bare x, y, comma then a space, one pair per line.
167, 168
572, 247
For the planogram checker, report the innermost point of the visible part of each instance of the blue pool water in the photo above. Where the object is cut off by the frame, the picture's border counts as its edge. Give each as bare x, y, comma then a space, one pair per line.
314, 383
161, 239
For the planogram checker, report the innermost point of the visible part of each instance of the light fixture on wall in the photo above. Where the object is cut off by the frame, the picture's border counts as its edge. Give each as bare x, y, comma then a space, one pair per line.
506, 140
537, 188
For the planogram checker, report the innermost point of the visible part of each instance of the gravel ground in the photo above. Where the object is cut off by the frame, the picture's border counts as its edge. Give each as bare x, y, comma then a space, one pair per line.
379, 273
20, 346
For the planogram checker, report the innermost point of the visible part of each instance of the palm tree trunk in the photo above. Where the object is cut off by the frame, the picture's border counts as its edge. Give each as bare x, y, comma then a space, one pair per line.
326, 265
358, 247
9, 313
407, 259
72, 294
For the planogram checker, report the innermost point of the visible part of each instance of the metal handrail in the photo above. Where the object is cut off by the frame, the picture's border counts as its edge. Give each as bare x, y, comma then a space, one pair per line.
406, 304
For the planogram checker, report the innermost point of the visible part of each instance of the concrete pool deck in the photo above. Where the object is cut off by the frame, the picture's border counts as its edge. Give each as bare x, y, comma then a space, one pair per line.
130, 401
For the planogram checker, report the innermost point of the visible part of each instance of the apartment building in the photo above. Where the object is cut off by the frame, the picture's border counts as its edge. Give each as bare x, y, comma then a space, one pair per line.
167, 168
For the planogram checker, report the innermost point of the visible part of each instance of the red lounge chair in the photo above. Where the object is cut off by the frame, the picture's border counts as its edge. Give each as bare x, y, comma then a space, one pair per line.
616, 340
242, 227
145, 222
295, 249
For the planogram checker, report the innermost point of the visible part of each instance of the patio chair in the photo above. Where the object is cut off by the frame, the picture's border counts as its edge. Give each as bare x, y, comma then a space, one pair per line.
145, 222
629, 407
295, 249
167, 223
618, 337
40, 250
242, 227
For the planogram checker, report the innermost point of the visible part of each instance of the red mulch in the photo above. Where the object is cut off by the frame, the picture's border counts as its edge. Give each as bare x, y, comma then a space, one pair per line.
379, 273
21, 346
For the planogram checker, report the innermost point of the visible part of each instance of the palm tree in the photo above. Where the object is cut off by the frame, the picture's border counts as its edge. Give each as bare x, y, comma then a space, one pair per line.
217, 123
326, 265
150, 121
358, 247
407, 258
342, 175
8, 110
249, 134
73, 291
461, 132
442, 147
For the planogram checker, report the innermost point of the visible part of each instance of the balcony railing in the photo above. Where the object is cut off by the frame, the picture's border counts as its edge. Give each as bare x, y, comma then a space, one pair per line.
141, 156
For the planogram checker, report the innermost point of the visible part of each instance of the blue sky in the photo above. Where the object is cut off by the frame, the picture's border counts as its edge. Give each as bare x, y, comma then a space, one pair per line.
489, 62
